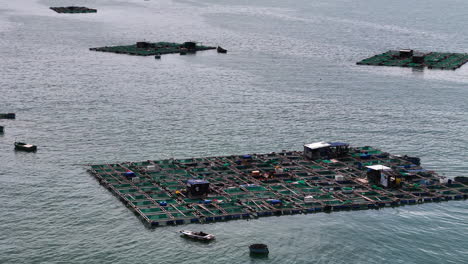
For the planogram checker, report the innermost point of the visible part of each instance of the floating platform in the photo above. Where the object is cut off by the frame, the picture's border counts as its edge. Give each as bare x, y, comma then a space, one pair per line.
410, 58
161, 192
154, 49
73, 9
7, 115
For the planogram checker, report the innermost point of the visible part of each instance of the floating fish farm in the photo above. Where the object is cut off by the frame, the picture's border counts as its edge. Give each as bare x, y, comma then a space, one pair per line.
73, 9
410, 58
158, 48
7, 115
325, 177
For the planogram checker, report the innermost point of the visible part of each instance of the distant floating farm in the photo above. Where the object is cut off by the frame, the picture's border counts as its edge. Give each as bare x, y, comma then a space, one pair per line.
73, 9
410, 58
325, 177
157, 48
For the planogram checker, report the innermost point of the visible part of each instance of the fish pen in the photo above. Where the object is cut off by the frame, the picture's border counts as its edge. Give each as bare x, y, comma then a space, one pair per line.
410, 58
73, 9
154, 48
325, 177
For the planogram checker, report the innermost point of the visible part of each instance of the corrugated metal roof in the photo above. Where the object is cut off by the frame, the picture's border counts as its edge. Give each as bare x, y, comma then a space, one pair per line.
379, 167
317, 145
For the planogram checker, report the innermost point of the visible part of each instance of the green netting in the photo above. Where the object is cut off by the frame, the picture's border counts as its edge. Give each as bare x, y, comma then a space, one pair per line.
159, 196
150, 210
151, 189
277, 187
256, 188
312, 190
456, 185
448, 192
324, 197
135, 197
265, 195
333, 202
325, 172
128, 191
175, 188
371, 193
157, 217
142, 203
233, 190
187, 200
233, 210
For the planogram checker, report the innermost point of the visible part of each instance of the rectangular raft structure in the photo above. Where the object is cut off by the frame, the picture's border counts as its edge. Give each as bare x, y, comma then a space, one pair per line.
154, 48
73, 10
7, 115
258, 185
410, 58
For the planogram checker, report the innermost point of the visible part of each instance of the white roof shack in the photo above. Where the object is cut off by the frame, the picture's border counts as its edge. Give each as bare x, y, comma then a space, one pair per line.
379, 168
317, 145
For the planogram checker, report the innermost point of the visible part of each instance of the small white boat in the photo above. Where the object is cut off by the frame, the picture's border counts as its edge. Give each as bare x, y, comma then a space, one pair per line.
197, 235
25, 147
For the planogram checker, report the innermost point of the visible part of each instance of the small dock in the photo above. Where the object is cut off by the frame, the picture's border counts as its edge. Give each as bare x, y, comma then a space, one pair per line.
156, 48
73, 10
415, 59
325, 177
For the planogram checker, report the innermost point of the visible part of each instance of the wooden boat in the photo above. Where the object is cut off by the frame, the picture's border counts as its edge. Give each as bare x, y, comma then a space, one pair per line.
157, 56
25, 147
260, 249
197, 235
221, 50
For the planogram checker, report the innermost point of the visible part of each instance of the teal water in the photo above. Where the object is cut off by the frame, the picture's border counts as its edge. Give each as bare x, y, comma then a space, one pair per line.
289, 78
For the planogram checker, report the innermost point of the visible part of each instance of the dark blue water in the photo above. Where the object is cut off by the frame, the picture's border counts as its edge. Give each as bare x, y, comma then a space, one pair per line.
289, 78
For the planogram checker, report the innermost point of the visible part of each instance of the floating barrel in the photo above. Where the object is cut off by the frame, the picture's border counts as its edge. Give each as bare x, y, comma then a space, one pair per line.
260, 249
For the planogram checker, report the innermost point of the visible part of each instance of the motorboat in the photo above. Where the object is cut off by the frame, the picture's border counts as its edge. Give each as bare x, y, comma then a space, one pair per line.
25, 147
221, 50
197, 235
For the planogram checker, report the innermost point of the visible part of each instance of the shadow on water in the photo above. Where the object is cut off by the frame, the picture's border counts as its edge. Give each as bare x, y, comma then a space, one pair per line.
258, 255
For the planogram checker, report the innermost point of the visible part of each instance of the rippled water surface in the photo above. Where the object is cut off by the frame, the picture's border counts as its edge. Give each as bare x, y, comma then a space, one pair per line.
289, 78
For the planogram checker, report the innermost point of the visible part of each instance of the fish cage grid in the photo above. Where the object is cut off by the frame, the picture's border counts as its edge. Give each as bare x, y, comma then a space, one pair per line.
279, 183
431, 60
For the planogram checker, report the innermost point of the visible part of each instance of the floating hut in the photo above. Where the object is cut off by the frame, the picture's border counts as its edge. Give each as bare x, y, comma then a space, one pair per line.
415, 59
326, 176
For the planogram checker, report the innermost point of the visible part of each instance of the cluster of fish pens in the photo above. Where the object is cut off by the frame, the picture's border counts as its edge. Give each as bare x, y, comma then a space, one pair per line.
406, 58
73, 9
257, 185
154, 48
